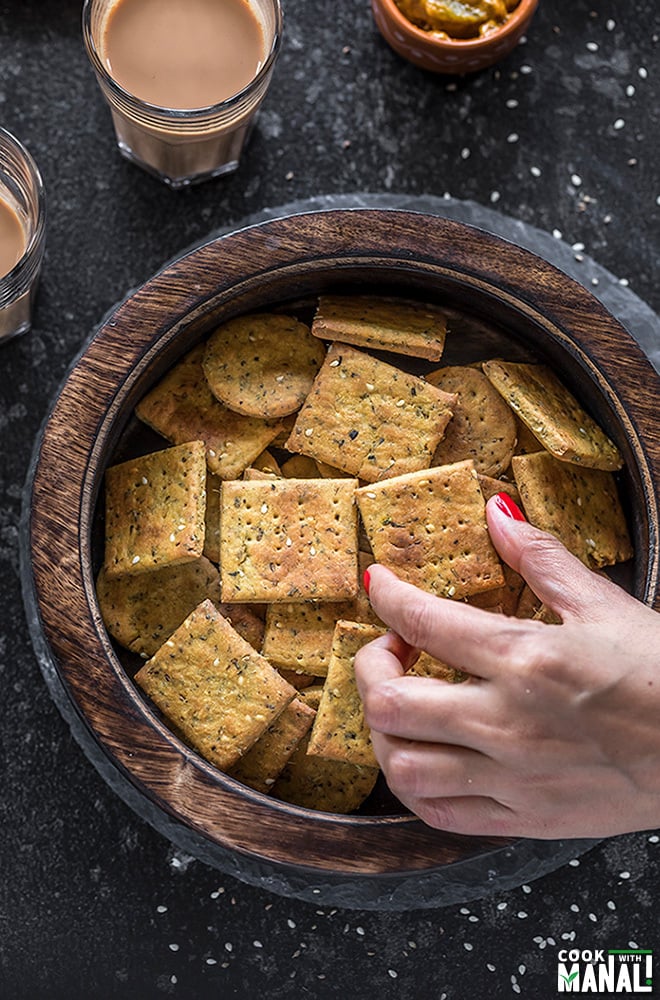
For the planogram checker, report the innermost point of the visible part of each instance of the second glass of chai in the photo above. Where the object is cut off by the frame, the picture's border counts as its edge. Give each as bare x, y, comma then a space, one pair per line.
184, 79
22, 234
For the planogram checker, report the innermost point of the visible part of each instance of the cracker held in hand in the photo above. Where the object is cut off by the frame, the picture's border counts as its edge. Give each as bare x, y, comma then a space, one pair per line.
264, 761
214, 688
483, 427
579, 506
553, 415
340, 731
262, 365
430, 529
182, 407
155, 510
369, 418
299, 636
288, 540
382, 324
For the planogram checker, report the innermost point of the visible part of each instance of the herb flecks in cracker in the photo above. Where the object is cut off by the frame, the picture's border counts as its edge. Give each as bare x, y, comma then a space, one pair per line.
580, 506
368, 418
182, 407
553, 414
430, 529
155, 509
483, 427
340, 731
383, 324
262, 365
214, 688
289, 540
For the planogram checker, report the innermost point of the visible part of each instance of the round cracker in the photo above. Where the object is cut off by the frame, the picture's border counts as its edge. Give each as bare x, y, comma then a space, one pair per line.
483, 426
262, 365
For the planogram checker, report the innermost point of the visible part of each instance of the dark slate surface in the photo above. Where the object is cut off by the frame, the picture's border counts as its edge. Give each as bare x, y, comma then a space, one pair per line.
563, 137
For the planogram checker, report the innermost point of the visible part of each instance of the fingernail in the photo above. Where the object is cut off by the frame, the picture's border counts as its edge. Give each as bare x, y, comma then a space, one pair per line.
509, 507
367, 580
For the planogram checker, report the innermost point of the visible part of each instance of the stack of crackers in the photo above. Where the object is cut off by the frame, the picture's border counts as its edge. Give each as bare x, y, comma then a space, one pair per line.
298, 455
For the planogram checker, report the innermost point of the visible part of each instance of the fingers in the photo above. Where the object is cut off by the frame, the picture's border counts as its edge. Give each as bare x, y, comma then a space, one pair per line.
556, 576
427, 770
471, 816
465, 637
425, 708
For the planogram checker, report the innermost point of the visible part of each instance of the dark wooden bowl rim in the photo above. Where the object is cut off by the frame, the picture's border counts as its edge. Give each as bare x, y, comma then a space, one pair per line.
249, 269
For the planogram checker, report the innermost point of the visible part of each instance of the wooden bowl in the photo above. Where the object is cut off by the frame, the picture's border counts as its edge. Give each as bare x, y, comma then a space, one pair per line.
440, 54
503, 299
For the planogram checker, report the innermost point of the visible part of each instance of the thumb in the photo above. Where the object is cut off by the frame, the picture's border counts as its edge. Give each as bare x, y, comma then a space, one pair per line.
557, 577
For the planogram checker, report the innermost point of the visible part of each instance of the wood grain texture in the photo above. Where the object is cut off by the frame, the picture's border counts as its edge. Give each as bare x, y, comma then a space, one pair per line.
546, 314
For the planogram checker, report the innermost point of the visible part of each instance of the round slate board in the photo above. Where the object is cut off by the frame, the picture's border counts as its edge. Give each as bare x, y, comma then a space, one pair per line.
471, 867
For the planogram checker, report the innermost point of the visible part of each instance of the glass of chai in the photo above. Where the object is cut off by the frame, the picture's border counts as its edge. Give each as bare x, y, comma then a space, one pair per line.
22, 233
183, 78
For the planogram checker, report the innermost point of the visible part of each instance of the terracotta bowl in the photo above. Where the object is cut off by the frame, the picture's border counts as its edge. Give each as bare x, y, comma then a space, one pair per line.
439, 54
502, 300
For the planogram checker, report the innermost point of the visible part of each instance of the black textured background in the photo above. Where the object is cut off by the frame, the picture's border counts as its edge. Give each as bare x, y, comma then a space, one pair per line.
564, 136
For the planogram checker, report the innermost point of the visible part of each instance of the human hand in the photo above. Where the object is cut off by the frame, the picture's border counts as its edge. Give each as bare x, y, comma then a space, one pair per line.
557, 731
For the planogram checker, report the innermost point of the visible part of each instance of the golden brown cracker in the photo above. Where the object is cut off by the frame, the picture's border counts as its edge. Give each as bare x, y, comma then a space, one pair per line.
288, 540
251, 474
430, 529
428, 666
369, 418
262, 365
182, 407
296, 678
155, 510
490, 487
503, 600
553, 414
340, 731
312, 696
382, 323
142, 610
331, 471
300, 467
262, 764
483, 427
213, 687
325, 785
266, 462
579, 506
299, 636
212, 518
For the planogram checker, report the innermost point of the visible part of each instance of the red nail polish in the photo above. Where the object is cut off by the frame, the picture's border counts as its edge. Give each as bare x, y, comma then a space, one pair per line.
509, 507
367, 580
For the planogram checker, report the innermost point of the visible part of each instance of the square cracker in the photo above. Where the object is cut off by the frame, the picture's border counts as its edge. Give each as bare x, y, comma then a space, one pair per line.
368, 418
262, 764
299, 636
340, 731
483, 427
579, 506
430, 529
428, 666
213, 687
288, 540
155, 510
142, 610
182, 407
553, 414
331, 786
383, 324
